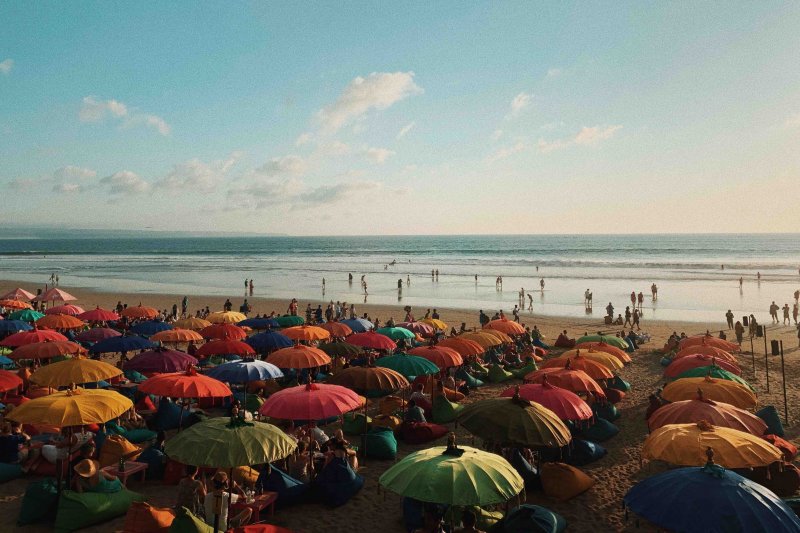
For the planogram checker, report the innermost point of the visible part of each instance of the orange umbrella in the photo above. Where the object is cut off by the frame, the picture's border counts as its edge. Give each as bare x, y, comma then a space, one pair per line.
679, 366
15, 304
66, 309
502, 337
28, 337
368, 379
223, 331
605, 359
225, 347
441, 356
483, 338
594, 369
465, 347
299, 357
18, 294
60, 322
177, 335
9, 380
717, 413
47, 349
336, 329
566, 378
187, 384
306, 333
706, 350
708, 340
718, 390
140, 311
192, 323
509, 327
607, 348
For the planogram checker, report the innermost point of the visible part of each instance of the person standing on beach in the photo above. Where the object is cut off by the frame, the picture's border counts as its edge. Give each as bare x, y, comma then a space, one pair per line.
795, 309
628, 316
530, 302
515, 312
610, 310
738, 328
483, 318
786, 315
729, 317
184, 305
246, 284
741, 282
437, 274
476, 279
773, 312
350, 278
251, 287
636, 317
408, 280
640, 300
633, 299
541, 284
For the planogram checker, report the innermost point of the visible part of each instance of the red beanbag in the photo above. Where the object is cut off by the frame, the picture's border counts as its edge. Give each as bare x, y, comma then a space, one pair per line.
144, 518
789, 450
422, 432
614, 395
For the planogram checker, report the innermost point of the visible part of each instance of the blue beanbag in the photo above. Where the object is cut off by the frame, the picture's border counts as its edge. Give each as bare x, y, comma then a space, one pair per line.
584, 452
666, 361
138, 436
156, 461
772, 419
39, 502
600, 431
526, 470
337, 483
135, 376
619, 384
290, 490
380, 443
530, 518
9, 472
413, 514
168, 415
607, 410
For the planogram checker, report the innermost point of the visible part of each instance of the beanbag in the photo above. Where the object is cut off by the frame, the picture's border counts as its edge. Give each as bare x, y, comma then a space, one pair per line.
337, 483
485, 519
169, 415
422, 432
139, 435
607, 410
245, 475
614, 395
355, 424
290, 490
145, 404
186, 522
471, 381
134, 375
666, 361
144, 518
584, 452
444, 410
9, 472
520, 373
116, 446
386, 421
619, 384
772, 419
173, 470
380, 443
260, 528
498, 375
600, 431
79, 510
39, 502
563, 482
413, 514
526, 470
783, 481
789, 450
156, 462
113, 428
479, 370
530, 518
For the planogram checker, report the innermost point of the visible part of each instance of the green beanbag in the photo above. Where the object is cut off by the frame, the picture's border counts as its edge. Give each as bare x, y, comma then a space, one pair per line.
772, 419
381, 444
444, 410
137, 436
520, 373
186, 522
498, 375
471, 381
9, 472
80, 510
479, 370
600, 431
355, 424
486, 519
39, 502
607, 410
619, 384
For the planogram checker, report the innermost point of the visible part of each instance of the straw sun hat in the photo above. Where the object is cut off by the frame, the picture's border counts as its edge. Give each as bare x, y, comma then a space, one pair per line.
87, 468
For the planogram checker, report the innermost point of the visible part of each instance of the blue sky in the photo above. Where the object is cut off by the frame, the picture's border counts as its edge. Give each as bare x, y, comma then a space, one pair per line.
445, 117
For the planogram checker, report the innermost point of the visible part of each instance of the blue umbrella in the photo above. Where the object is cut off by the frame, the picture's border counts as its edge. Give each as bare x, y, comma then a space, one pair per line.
5, 361
124, 343
149, 328
259, 323
7, 327
709, 499
268, 341
244, 371
358, 325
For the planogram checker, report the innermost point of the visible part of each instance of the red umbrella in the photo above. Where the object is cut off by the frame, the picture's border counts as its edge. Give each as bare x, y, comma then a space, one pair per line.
54, 294
225, 347
9, 380
566, 378
708, 340
47, 349
299, 357
99, 315
607, 348
337, 329
705, 350
96, 334
223, 331
187, 384
60, 322
311, 402
565, 404
18, 294
36, 335
140, 312
504, 325
679, 366
15, 304
716, 413
66, 309
426, 330
372, 340
160, 360
441, 356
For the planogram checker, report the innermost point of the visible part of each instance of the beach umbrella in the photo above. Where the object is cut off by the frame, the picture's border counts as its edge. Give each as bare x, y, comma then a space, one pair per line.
341, 349
9, 381
708, 340
464, 347
67, 309
709, 499
607, 339
245, 371
28, 337
483, 338
299, 357
187, 384
123, 343
177, 335
48, 350
61, 322
372, 340
396, 334
18, 294
226, 317
26, 315
435, 323
605, 359
149, 328
259, 323
453, 475
439, 355
509, 327
306, 333
287, 321
358, 325
269, 341
13, 326
717, 413
409, 366
718, 390
337, 329
99, 315
709, 351
515, 422
607, 348
594, 369
96, 334
140, 312
715, 372
313, 401
74, 407
225, 347
576, 381
53, 295
192, 323
15, 304
363, 379
565, 404
223, 330
425, 330
502, 337
679, 366
686, 445
71, 371
160, 360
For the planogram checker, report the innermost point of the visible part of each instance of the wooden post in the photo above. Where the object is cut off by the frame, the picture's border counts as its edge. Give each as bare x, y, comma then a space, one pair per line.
766, 356
785, 404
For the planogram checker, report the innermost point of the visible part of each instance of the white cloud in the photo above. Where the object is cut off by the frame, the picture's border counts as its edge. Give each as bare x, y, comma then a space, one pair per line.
304, 138
595, 134
407, 128
496, 135
293, 193
196, 175
71, 172
551, 146
554, 73
151, 121
378, 155
6, 65
94, 110
507, 151
288, 165
22, 184
333, 148
68, 188
379, 90
520, 102
125, 182
793, 121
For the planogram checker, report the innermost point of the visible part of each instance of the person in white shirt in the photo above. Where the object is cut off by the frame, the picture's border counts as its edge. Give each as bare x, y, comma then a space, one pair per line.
216, 505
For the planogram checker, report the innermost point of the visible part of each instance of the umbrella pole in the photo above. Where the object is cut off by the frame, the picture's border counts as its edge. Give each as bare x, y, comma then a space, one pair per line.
230, 497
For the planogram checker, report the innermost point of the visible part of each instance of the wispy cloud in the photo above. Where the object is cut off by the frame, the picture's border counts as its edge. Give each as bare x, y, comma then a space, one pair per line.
302, 139
407, 128
587, 136
793, 121
378, 155
71, 179
520, 102
125, 183
554, 72
293, 193
288, 165
6, 65
505, 152
94, 110
198, 176
496, 134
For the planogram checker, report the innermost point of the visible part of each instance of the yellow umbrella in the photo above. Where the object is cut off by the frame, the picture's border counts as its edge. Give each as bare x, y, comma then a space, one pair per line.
502, 337
605, 359
192, 323
686, 445
434, 323
74, 371
484, 339
226, 317
75, 407
718, 390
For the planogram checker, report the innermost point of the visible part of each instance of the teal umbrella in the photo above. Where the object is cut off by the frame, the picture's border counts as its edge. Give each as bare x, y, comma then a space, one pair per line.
26, 315
408, 365
396, 334
287, 321
715, 372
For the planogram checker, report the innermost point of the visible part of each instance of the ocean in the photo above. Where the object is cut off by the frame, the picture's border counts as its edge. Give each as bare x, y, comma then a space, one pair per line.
692, 285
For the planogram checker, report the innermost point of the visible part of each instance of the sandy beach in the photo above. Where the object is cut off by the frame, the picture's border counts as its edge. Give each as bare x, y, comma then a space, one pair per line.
598, 509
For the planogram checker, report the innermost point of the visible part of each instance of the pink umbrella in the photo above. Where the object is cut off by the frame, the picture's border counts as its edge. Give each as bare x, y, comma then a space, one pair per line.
417, 327
18, 294
99, 315
160, 360
53, 295
679, 366
372, 340
311, 402
96, 334
67, 309
36, 335
565, 404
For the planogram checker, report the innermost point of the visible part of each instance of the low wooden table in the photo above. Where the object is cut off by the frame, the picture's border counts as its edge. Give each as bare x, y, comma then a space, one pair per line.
131, 468
267, 499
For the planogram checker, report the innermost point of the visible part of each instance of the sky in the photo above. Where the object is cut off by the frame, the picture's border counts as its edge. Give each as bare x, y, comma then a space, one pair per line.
343, 118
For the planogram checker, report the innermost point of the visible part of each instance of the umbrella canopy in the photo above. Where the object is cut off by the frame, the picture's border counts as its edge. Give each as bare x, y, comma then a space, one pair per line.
187, 384
369, 379
408, 365
610, 340
13, 326
396, 334
53, 295
358, 325
708, 340
435, 323
464, 477
259, 323
306, 333
718, 390
711, 351
223, 330
502, 337
441, 356
62, 322
299, 357
464, 347
192, 323
709, 498
341, 349
176, 336
226, 317
574, 380
269, 341
150, 327
140, 312
99, 315
67, 309
717, 413
123, 343
9, 381
715, 372
605, 359
26, 315
678, 366
607, 348
71, 371
311, 402
287, 321
244, 371
29, 337
594, 369
225, 347
96, 334
509, 327
160, 360
48, 350
75, 407
686, 445
565, 404
15, 304
18, 294
483, 338
337, 329
515, 422
229, 443
425, 330
372, 340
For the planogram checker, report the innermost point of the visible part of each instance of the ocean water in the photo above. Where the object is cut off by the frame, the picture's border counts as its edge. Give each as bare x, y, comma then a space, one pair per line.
692, 285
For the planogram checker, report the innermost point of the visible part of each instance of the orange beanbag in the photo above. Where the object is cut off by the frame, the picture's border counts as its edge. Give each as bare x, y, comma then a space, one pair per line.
386, 421
390, 404
144, 518
563, 482
244, 475
116, 446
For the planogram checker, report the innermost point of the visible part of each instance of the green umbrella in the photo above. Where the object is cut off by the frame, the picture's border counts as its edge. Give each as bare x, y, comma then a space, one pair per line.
715, 372
408, 365
341, 349
26, 315
287, 321
396, 334
514, 421
608, 339
454, 476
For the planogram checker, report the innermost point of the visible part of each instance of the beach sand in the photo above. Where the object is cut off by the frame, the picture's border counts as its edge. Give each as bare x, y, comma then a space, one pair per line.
599, 509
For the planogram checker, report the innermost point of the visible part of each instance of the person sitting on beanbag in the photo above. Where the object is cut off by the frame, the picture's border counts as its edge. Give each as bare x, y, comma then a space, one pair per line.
92, 479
